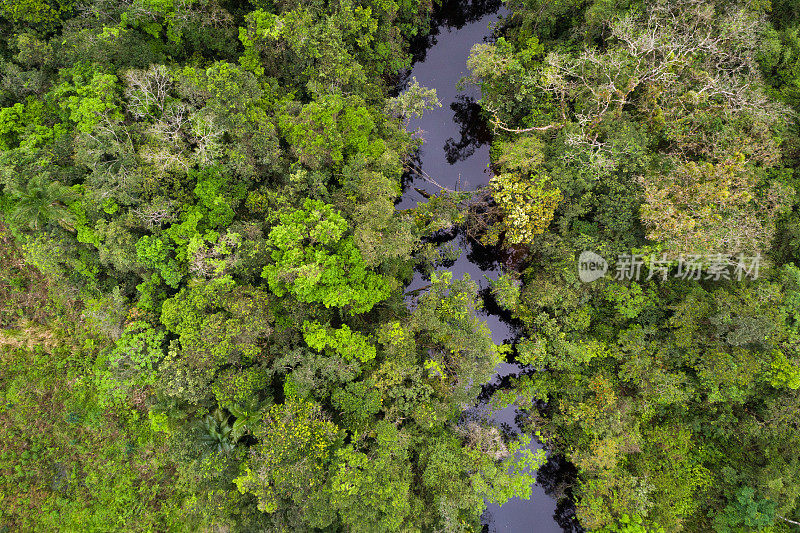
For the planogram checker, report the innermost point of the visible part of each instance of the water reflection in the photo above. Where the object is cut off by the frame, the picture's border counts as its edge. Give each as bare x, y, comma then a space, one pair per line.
474, 129
455, 151
451, 15
456, 155
557, 476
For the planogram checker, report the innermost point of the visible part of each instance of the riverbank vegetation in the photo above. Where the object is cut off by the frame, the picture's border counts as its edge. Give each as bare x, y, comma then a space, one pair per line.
203, 310
204, 316
668, 130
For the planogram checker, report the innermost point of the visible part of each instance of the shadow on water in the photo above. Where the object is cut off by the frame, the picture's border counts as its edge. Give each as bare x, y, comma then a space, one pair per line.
451, 15
414, 160
485, 257
491, 307
455, 153
474, 129
557, 476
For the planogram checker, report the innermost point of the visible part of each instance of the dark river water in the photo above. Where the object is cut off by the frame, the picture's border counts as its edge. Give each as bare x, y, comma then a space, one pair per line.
456, 154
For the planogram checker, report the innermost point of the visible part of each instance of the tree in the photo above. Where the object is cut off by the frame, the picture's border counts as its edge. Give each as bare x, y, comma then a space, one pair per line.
219, 433
40, 202
315, 262
329, 129
352, 346
290, 462
219, 322
527, 205
747, 511
452, 338
45, 13
712, 208
363, 502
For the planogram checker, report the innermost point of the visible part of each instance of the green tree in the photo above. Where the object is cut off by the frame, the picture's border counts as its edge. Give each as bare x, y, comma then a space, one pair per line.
315, 262
290, 462
371, 491
41, 201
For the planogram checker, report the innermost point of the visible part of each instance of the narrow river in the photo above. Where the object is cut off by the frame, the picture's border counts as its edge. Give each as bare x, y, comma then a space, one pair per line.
456, 154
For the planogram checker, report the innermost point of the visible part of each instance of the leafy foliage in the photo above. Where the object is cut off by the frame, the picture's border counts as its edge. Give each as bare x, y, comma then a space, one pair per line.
527, 205
666, 128
315, 262
203, 326
224, 342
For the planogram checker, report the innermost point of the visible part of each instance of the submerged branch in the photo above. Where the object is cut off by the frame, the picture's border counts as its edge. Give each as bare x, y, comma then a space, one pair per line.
425, 176
416, 292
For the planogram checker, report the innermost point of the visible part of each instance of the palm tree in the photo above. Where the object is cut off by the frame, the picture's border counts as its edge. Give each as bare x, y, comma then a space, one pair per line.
217, 432
39, 202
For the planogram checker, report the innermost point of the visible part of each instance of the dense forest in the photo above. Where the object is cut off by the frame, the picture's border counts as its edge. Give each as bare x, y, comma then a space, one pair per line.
205, 315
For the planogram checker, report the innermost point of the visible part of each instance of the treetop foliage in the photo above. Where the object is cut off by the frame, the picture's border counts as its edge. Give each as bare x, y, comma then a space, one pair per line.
663, 128
200, 196
202, 269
